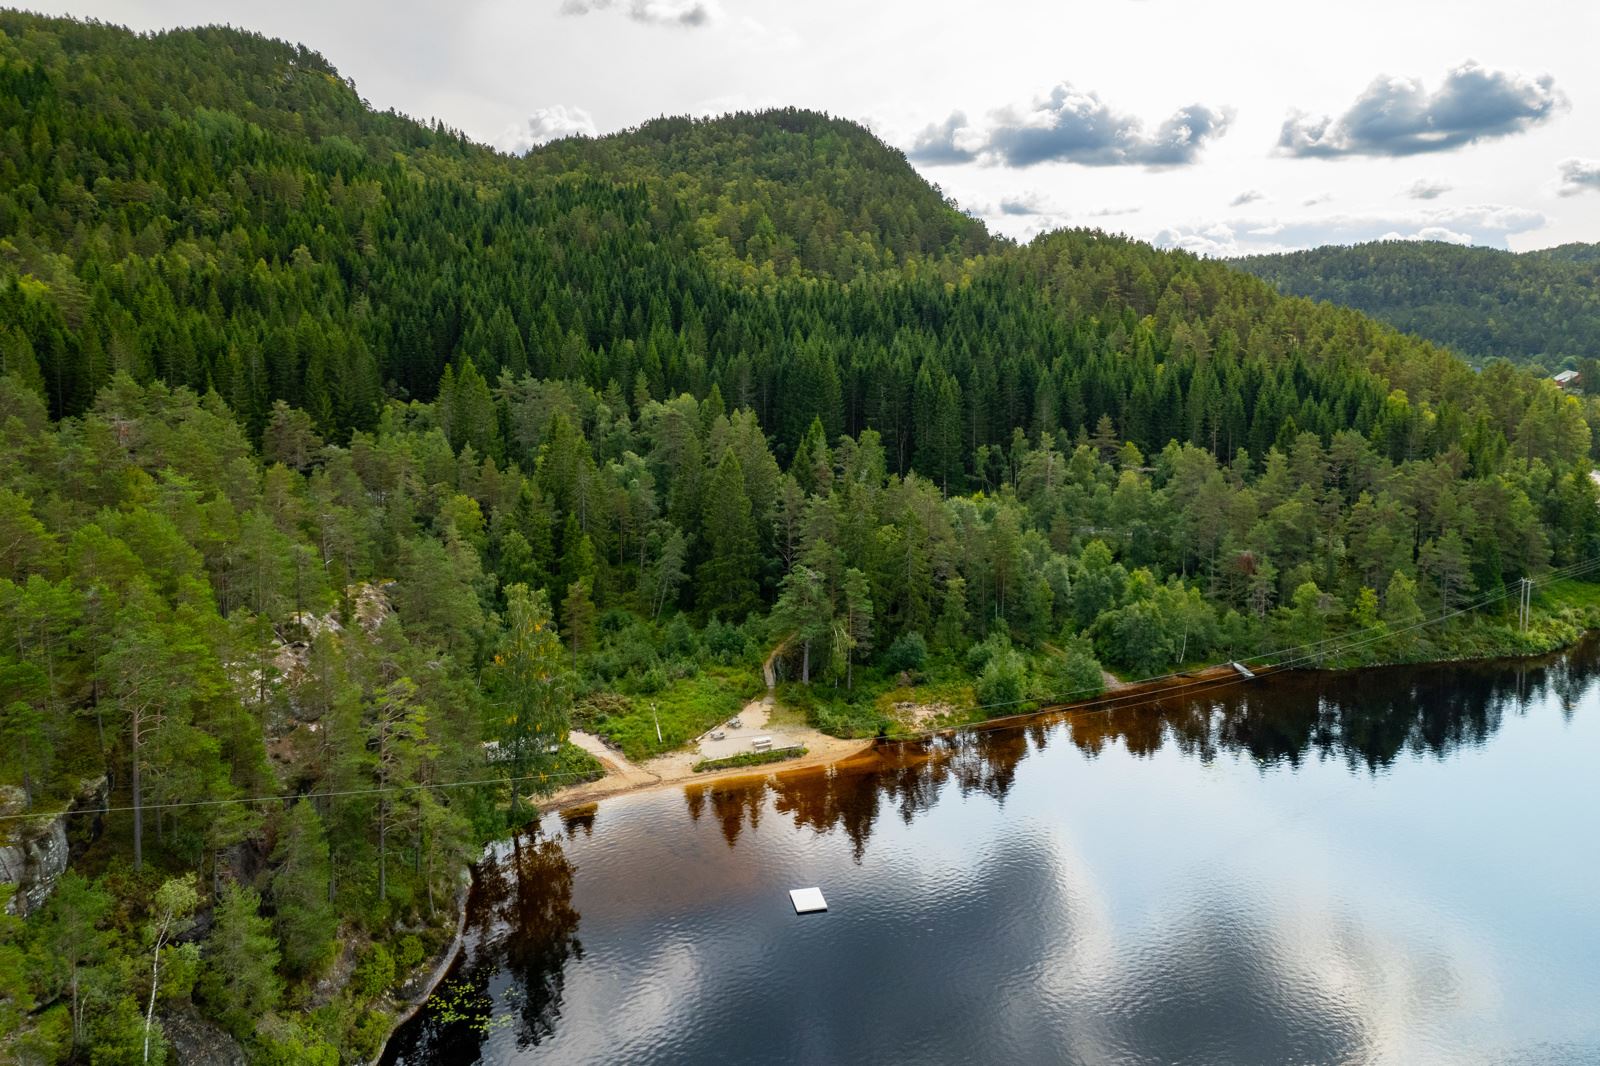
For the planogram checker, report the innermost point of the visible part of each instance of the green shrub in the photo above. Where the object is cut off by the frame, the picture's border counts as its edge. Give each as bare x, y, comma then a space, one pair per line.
980, 654
280, 1042
749, 758
368, 1034
409, 954
650, 681
1074, 674
725, 642
375, 975
1001, 686
908, 652
678, 639
835, 711
574, 766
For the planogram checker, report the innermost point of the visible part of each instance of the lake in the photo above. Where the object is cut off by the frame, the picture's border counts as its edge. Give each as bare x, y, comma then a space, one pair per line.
1391, 866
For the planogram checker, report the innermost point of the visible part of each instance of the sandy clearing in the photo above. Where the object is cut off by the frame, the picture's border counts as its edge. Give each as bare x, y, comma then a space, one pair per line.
677, 768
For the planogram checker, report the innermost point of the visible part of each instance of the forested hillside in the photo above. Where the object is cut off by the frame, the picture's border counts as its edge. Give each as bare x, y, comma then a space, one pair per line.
783, 192
345, 463
1540, 308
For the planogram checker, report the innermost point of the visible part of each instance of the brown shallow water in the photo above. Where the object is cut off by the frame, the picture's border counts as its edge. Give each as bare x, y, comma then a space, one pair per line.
1394, 866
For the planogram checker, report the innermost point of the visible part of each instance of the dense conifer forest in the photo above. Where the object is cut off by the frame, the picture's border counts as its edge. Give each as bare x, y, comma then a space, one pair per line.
1541, 308
343, 461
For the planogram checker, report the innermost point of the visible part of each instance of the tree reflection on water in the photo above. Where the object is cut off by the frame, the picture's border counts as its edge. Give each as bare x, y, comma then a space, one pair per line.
523, 927
522, 930
1367, 719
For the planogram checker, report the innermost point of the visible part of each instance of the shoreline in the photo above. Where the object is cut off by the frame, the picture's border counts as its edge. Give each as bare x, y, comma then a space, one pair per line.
446, 961
839, 752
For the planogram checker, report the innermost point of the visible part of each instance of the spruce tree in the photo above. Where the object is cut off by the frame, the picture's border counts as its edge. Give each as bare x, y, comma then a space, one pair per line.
726, 579
239, 981
304, 916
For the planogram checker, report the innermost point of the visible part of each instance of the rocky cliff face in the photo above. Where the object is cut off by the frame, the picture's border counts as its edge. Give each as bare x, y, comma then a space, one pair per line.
34, 851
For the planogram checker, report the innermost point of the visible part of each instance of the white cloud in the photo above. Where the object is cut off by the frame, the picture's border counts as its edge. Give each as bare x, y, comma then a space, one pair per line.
1428, 189
685, 13
1430, 233
1578, 176
1070, 125
954, 140
1396, 116
544, 125
1027, 203
1484, 224
1025, 215
1249, 196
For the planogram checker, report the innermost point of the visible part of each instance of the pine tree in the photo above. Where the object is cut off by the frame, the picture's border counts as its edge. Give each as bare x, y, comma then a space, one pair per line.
531, 694
75, 939
577, 615
857, 620
804, 612
398, 739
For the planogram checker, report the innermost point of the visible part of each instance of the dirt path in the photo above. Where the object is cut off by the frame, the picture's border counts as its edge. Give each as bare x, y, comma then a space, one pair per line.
618, 769
769, 673
677, 767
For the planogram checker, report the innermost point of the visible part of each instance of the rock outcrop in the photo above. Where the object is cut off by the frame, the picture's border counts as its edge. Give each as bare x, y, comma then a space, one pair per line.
197, 1041
34, 851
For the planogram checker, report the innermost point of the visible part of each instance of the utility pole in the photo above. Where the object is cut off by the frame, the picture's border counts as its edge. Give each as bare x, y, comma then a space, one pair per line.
1525, 603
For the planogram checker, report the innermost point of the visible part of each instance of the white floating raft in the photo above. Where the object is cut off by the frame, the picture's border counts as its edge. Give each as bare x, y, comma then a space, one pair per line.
807, 900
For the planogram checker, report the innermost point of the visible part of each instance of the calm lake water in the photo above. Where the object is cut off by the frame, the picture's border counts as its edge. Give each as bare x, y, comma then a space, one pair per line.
1396, 866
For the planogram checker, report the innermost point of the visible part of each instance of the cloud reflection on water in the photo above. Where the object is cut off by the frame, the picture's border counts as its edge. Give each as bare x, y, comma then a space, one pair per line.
1141, 895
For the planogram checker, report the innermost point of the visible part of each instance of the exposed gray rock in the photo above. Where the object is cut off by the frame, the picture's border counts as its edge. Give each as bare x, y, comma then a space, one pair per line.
197, 1041
34, 852
34, 860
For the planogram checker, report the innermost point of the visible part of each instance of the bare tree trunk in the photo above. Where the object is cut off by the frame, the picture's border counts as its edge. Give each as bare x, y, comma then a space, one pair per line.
155, 981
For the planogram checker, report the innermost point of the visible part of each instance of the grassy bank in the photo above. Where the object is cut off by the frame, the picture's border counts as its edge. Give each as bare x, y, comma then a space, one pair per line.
685, 708
1562, 612
574, 766
997, 679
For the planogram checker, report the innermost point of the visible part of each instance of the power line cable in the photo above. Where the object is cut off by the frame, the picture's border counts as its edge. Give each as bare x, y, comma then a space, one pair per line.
1342, 640
1107, 703
286, 797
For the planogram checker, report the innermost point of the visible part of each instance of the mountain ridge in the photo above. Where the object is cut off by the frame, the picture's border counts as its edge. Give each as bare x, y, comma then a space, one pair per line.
347, 465
1540, 306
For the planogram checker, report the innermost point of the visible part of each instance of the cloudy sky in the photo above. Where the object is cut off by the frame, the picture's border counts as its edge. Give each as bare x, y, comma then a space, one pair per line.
1224, 127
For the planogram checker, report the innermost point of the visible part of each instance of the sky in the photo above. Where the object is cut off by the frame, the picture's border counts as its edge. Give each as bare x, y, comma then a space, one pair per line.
1227, 128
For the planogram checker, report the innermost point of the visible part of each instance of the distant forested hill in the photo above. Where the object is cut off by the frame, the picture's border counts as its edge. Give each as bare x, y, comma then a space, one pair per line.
346, 463
1537, 307
787, 190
